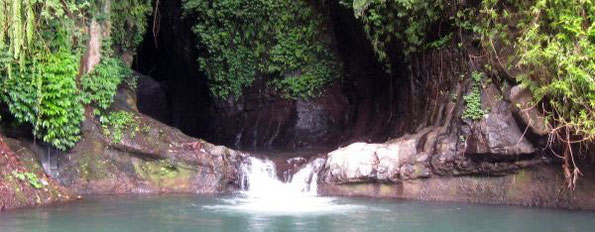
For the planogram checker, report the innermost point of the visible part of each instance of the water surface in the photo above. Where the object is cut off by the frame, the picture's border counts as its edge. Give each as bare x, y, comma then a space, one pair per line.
225, 213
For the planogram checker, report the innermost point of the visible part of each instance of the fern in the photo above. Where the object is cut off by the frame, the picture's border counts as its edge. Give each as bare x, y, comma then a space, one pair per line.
40, 42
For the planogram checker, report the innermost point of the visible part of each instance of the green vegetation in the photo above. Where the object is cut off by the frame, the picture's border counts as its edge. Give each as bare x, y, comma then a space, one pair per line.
116, 123
129, 22
557, 57
100, 85
553, 54
548, 46
398, 22
41, 43
29, 177
473, 109
281, 40
44, 94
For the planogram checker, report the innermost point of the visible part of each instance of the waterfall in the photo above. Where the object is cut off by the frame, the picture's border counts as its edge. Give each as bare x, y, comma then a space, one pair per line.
259, 179
263, 192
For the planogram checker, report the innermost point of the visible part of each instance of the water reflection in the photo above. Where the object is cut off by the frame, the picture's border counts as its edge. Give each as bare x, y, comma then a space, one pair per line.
188, 213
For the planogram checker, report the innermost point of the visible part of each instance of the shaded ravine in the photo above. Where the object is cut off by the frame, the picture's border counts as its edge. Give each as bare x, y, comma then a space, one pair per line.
412, 141
366, 104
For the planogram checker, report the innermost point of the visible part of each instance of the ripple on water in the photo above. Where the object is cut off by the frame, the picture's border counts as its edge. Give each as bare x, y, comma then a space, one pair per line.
287, 205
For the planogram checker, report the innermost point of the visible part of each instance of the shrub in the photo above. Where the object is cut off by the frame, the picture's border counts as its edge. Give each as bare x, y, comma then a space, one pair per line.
101, 85
45, 95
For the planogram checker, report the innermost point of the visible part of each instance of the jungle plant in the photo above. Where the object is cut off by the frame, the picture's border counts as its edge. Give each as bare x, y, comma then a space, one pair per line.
40, 46
280, 40
473, 108
556, 52
116, 123
402, 22
549, 47
29, 177
129, 22
44, 94
100, 85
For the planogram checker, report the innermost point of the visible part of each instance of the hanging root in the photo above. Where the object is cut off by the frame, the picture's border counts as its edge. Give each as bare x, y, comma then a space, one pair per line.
156, 23
571, 170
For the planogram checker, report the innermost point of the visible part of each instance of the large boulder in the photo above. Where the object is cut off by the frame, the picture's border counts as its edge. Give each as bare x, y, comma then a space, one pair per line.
497, 133
522, 105
360, 162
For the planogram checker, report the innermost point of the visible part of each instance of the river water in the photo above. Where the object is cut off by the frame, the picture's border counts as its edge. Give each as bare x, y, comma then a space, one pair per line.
267, 204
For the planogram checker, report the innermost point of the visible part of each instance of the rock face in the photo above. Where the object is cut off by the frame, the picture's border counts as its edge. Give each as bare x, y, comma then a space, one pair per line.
541, 185
522, 105
498, 132
150, 158
486, 161
23, 181
402, 169
271, 122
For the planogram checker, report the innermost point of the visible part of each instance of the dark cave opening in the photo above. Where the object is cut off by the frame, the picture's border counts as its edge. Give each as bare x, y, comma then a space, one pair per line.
366, 105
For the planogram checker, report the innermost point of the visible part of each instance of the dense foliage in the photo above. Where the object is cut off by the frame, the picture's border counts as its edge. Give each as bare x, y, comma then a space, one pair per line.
128, 19
41, 43
556, 53
100, 85
39, 73
398, 22
553, 55
281, 40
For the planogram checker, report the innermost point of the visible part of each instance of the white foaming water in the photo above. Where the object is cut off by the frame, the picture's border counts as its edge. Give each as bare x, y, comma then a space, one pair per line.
263, 192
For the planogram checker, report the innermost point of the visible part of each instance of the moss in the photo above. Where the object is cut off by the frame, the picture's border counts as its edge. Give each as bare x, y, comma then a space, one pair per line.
91, 166
163, 174
519, 181
387, 190
420, 170
16, 187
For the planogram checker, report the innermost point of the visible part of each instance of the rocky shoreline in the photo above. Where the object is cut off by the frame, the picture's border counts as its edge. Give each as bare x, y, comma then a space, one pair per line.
431, 165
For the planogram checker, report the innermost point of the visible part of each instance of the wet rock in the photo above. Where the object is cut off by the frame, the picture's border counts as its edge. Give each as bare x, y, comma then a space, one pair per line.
360, 162
23, 182
267, 121
541, 185
152, 99
498, 132
522, 105
151, 157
